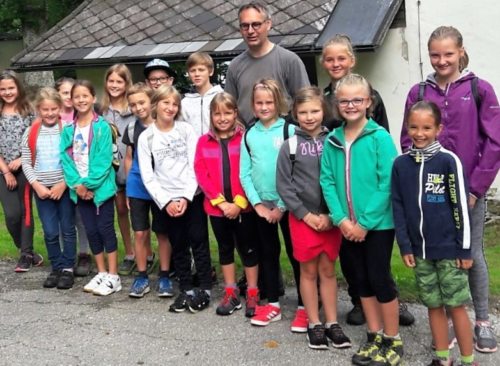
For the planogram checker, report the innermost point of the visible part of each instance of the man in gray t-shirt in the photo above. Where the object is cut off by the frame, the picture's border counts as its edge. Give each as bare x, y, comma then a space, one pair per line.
262, 59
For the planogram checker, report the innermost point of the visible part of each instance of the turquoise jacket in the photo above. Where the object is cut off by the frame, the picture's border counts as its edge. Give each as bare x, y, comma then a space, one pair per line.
365, 197
258, 166
101, 175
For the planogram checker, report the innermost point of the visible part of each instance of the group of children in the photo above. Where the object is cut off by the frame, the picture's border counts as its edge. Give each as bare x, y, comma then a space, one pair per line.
343, 191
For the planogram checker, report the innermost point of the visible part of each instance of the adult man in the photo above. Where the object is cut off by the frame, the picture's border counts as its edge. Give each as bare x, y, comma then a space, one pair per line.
262, 59
158, 72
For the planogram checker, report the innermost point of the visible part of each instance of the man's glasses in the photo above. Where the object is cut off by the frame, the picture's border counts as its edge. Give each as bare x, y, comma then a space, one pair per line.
356, 102
255, 26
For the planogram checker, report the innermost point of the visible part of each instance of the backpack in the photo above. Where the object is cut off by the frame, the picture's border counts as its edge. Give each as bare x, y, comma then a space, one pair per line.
33, 136
285, 136
473, 86
115, 134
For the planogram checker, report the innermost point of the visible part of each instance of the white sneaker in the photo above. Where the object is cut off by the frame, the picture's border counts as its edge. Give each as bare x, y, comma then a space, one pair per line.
109, 285
95, 282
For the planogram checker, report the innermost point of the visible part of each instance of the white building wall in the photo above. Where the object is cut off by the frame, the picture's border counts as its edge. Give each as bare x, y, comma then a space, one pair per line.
403, 57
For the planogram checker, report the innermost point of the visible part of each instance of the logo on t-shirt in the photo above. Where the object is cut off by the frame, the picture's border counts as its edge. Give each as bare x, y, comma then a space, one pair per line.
435, 188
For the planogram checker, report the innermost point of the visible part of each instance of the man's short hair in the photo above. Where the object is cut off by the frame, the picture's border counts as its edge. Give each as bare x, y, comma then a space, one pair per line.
261, 8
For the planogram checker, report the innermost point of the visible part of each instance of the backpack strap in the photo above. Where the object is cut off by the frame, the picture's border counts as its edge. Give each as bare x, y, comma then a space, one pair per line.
33, 137
475, 92
130, 131
245, 139
421, 90
286, 133
292, 144
150, 146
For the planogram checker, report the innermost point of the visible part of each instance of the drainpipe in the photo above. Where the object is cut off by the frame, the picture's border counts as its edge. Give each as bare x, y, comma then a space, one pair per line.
420, 62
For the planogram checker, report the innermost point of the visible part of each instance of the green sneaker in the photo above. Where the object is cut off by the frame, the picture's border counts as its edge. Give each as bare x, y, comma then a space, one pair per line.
368, 350
390, 353
126, 267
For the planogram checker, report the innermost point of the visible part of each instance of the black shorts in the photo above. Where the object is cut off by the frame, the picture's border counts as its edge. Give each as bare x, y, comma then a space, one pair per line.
139, 213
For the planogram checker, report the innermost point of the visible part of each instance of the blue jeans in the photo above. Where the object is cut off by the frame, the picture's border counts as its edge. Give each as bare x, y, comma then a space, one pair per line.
55, 216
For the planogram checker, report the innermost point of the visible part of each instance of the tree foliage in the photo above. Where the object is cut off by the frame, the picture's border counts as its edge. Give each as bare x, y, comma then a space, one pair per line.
39, 15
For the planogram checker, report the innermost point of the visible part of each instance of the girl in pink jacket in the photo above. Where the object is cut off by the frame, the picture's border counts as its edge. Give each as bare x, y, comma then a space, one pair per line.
217, 166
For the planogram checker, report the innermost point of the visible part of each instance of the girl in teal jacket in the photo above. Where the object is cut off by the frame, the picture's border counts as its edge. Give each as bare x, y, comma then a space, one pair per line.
87, 155
356, 181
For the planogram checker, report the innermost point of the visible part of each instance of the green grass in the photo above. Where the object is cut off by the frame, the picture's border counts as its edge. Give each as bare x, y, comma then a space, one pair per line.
403, 276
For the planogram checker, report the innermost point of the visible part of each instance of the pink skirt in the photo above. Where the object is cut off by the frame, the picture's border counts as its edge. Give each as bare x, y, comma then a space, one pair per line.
308, 243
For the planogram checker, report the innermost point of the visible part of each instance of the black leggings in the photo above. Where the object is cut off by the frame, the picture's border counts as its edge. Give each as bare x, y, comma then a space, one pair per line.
240, 233
269, 257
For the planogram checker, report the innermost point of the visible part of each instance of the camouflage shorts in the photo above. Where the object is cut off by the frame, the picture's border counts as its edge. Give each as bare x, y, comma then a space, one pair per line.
440, 282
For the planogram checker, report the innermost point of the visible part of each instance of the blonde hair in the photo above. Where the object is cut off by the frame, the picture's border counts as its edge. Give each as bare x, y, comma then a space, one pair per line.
356, 79
23, 106
308, 94
140, 87
164, 92
341, 39
122, 71
229, 102
453, 33
200, 58
272, 87
48, 93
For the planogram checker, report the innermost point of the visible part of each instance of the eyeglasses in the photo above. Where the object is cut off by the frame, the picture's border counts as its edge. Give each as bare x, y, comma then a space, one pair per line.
356, 102
255, 26
159, 80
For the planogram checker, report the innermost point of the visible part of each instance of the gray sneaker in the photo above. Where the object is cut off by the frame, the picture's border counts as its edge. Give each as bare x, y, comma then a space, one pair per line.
486, 341
126, 267
83, 265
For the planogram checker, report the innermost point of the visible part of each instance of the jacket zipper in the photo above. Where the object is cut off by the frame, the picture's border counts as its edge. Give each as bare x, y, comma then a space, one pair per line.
421, 224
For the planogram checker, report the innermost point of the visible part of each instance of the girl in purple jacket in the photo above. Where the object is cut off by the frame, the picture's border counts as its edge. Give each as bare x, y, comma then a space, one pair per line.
471, 120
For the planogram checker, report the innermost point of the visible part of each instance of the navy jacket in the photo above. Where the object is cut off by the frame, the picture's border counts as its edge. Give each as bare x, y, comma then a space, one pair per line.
429, 201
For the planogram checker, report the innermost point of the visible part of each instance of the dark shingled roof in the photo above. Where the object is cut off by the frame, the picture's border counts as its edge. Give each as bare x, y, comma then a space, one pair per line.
102, 32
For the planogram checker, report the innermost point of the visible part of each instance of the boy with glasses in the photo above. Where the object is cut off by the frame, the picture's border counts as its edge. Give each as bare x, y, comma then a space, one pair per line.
157, 73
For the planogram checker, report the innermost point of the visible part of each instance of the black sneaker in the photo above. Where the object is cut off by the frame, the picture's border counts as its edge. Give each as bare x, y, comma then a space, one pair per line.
390, 353
36, 260
368, 350
317, 337
356, 315
199, 301
242, 285
83, 265
126, 267
52, 279
66, 280
337, 336
405, 317
179, 304
24, 263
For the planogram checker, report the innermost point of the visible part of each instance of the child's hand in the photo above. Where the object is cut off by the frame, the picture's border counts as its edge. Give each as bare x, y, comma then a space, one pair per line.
464, 263
127, 202
232, 211
472, 201
177, 208
10, 181
15, 164
41, 191
325, 223
89, 195
358, 234
262, 211
275, 216
409, 260
312, 221
346, 227
57, 190
182, 205
81, 191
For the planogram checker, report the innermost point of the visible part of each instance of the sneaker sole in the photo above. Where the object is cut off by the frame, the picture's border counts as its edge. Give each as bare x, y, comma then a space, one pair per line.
320, 347
342, 345
228, 313
176, 310
263, 323
21, 270
485, 350
119, 288
298, 330
165, 294
194, 311
137, 295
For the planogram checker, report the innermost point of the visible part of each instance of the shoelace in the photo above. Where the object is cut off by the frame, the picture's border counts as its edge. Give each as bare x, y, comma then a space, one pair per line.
318, 331
485, 331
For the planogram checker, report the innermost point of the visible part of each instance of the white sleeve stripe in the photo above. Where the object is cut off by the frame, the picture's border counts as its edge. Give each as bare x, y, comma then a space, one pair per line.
464, 202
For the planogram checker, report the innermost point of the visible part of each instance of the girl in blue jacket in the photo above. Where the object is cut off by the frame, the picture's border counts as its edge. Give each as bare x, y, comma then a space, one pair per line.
429, 200
355, 178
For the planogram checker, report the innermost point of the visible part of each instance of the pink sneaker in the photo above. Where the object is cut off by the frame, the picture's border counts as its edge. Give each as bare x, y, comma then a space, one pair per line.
265, 315
300, 323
